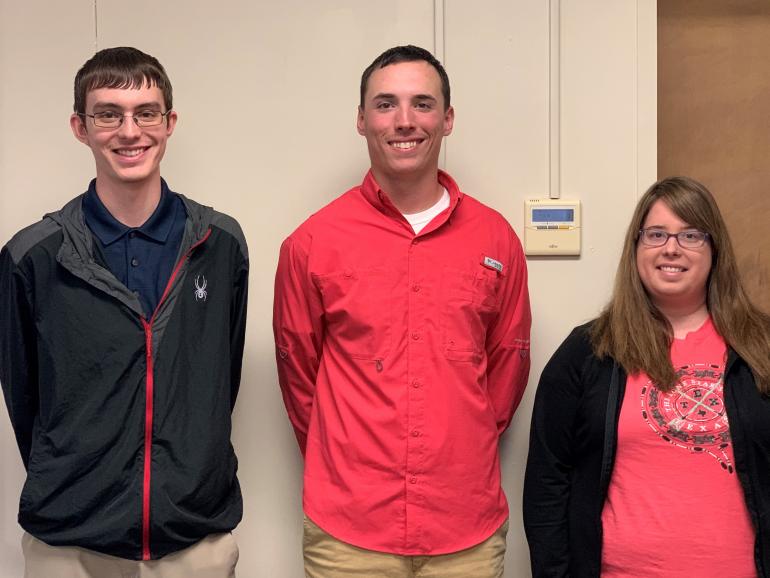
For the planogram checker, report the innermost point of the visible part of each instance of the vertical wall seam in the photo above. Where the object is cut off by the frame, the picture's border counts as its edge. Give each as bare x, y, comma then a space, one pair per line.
96, 28
439, 37
439, 51
637, 130
554, 99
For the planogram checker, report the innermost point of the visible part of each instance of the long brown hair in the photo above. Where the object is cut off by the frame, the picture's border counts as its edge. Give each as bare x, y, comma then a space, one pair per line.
635, 333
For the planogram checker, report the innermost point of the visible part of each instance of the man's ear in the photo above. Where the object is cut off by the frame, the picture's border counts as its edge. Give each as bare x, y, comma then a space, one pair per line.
449, 121
171, 119
78, 126
360, 121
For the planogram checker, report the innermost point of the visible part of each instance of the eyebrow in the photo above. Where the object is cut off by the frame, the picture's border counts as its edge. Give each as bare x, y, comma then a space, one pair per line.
390, 96
138, 106
663, 227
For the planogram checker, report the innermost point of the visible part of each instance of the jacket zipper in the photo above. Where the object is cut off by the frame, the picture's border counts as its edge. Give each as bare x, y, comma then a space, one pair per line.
148, 409
148, 401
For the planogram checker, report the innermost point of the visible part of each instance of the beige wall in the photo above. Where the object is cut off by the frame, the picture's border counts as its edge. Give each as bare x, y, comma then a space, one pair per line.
266, 94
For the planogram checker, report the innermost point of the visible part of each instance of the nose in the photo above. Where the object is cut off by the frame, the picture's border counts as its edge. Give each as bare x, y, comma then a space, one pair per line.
404, 119
129, 128
672, 246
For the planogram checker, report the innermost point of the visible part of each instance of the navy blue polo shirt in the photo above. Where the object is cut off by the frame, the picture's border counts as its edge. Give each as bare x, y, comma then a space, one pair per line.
142, 258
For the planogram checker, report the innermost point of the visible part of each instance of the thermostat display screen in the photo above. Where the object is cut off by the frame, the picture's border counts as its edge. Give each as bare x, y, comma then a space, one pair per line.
553, 215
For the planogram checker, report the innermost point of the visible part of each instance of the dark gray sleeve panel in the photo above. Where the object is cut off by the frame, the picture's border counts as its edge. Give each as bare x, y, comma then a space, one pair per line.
30, 236
231, 226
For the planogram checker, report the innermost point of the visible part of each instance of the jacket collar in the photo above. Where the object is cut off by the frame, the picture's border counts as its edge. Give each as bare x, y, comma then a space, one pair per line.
77, 237
76, 252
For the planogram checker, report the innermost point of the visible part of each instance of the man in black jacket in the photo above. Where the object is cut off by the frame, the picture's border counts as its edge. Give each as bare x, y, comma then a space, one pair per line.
122, 322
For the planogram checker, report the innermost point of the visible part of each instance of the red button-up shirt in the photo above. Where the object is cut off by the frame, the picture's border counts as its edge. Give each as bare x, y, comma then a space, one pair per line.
401, 359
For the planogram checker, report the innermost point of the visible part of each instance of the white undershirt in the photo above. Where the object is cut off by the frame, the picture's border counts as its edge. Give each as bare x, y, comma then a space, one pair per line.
419, 220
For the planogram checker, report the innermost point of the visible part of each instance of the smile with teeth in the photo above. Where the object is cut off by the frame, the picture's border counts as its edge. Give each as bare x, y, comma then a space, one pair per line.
130, 152
404, 145
671, 269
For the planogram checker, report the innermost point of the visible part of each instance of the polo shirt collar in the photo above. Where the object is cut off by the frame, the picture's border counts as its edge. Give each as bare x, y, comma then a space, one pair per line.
108, 229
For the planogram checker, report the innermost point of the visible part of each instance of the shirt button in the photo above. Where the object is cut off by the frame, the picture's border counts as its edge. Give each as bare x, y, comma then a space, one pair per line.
348, 273
415, 434
134, 262
132, 234
415, 383
413, 480
416, 288
416, 336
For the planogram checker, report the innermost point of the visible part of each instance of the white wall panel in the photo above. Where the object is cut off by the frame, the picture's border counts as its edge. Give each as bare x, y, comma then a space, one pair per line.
42, 44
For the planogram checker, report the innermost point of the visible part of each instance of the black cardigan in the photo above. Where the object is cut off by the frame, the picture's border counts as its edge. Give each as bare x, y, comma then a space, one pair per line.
572, 455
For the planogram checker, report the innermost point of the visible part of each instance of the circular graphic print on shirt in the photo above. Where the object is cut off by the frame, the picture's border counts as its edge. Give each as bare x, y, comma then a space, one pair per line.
692, 415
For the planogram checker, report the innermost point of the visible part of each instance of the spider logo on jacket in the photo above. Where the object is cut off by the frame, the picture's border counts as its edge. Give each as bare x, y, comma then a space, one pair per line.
200, 288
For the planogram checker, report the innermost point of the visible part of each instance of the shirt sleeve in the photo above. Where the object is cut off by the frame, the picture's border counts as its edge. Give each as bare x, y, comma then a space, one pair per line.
18, 364
507, 342
550, 463
298, 331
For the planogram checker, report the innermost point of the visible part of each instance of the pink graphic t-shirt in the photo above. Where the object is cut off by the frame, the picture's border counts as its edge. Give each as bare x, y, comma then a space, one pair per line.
675, 506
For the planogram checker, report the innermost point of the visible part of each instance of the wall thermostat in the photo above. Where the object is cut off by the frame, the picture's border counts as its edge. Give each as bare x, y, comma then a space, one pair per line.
552, 227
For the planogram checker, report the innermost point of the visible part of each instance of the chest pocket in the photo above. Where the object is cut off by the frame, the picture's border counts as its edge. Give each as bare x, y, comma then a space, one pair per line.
472, 301
357, 310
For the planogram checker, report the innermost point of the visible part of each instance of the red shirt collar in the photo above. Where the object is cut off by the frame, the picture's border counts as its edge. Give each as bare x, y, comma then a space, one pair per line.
379, 198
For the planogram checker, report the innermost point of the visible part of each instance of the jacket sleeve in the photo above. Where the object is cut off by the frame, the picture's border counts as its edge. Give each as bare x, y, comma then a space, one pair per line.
551, 460
507, 343
238, 326
298, 331
18, 362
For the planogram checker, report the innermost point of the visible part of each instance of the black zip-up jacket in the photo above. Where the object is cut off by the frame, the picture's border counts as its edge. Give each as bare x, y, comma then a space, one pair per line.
123, 422
572, 453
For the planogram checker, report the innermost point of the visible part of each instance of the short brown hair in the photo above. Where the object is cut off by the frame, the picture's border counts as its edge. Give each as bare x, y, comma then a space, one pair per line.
408, 53
120, 67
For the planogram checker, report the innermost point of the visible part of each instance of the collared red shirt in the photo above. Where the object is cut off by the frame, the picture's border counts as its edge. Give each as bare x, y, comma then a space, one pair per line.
141, 258
401, 360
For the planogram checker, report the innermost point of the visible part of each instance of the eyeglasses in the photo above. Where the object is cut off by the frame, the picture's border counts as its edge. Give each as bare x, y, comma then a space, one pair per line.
686, 239
112, 119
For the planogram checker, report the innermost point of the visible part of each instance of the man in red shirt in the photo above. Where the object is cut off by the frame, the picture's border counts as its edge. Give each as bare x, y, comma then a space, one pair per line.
402, 321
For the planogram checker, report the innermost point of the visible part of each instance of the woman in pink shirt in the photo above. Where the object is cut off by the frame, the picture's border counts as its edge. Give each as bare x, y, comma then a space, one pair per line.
650, 445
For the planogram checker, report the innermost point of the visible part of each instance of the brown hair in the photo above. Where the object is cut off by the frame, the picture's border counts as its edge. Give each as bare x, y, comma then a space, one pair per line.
121, 67
408, 53
635, 333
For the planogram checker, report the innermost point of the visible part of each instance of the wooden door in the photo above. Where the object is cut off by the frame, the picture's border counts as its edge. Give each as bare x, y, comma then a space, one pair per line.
714, 116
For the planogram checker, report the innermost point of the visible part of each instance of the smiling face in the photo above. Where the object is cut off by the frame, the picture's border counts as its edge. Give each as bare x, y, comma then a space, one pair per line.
672, 276
404, 120
128, 155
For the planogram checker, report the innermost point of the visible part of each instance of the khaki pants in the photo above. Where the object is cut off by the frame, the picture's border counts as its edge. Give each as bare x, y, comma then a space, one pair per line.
213, 557
327, 557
